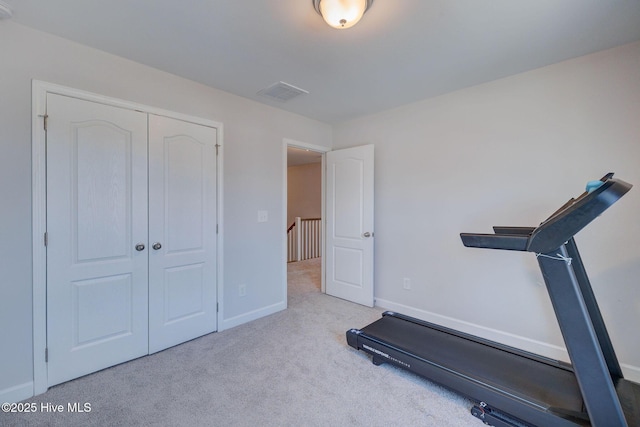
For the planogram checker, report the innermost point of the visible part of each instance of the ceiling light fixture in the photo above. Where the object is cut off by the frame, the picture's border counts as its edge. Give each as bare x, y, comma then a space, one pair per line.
342, 14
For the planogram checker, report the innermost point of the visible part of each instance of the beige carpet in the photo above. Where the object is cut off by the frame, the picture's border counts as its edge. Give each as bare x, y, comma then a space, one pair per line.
293, 368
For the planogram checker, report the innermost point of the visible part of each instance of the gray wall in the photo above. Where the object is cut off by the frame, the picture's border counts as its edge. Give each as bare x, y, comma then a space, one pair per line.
253, 177
508, 153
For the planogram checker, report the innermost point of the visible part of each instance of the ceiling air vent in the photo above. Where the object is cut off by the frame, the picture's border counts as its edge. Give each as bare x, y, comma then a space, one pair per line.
281, 92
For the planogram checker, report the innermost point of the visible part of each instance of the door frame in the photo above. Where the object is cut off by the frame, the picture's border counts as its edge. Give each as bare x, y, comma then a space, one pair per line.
39, 91
286, 143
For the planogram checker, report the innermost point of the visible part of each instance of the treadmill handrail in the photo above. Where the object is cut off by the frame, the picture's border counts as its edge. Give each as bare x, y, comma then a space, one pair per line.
512, 242
566, 223
561, 226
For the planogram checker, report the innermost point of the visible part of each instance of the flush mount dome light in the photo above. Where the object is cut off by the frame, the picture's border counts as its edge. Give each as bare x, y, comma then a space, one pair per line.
342, 14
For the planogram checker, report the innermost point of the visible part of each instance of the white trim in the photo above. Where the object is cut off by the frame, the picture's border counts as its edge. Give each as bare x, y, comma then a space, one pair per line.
286, 142
17, 393
220, 242
285, 225
254, 315
39, 226
115, 102
39, 93
323, 178
517, 341
631, 373
305, 146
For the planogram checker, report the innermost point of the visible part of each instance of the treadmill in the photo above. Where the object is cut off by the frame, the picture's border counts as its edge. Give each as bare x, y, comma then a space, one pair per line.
513, 387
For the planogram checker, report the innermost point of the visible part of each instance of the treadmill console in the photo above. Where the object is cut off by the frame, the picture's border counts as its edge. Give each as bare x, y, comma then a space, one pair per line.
561, 226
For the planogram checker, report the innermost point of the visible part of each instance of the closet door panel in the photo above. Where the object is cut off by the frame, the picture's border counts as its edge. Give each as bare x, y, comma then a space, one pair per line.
96, 215
182, 231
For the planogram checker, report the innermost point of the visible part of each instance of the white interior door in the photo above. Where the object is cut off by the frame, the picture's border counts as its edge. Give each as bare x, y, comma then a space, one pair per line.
349, 224
182, 231
96, 215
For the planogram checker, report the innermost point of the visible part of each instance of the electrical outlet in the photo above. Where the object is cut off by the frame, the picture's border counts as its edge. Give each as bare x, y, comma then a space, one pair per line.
242, 290
406, 283
263, 216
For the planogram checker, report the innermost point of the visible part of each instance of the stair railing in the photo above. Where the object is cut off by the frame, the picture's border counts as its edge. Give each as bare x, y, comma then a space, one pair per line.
304, 239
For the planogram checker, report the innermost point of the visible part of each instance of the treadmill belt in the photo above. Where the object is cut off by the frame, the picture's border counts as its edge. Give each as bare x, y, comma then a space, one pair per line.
547, 385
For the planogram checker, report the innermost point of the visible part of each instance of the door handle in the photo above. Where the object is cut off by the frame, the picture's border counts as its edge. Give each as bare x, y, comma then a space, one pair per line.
156, 246
140, 247
367, 234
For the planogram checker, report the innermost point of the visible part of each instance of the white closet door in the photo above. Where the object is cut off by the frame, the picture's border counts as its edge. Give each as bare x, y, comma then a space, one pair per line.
182, 231
96, 215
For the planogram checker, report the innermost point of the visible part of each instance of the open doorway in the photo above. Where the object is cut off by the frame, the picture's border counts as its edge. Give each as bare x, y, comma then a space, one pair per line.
347, 200
304, 209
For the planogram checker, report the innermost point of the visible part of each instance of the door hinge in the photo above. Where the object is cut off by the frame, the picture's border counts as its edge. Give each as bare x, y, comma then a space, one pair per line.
216, 228
217, 307
46, 355
217, 146
46, 238
45, 117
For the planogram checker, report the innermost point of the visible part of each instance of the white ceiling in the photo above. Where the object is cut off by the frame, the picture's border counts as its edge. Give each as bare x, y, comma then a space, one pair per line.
401, 51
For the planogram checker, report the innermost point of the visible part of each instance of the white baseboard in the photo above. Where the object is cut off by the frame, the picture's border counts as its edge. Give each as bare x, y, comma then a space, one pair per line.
17, 393
252, 315
630, 372
523, 343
